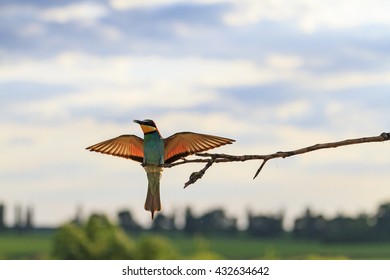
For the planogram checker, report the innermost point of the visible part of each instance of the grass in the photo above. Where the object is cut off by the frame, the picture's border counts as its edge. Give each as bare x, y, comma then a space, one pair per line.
25, 246
283, 248
39, 246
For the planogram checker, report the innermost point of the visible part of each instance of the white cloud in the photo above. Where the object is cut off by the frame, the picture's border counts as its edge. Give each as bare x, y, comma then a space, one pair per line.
84, 12
252, 11
295, 109
125, 4
151, 71
308, 15
344, 80
221, 124
113, 99
126, 70
31, 30
131, 82
344, 14
284, 61
109, 32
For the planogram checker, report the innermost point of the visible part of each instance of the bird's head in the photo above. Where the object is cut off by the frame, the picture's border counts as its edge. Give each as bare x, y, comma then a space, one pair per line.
147, 125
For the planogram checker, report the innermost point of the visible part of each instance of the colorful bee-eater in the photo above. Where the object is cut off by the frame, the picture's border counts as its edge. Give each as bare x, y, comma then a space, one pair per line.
154, 150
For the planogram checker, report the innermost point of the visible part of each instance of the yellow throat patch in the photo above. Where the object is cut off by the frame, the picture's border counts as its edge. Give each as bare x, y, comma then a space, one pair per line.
147, 128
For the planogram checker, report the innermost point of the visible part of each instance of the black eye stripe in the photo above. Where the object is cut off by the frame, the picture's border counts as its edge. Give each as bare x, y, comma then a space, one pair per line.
149, 122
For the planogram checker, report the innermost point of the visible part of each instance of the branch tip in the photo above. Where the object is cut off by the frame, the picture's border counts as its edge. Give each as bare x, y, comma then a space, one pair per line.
385, 135
260, 168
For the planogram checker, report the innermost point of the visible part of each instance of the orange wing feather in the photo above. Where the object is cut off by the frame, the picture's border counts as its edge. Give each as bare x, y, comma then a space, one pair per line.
126, 146
187, 143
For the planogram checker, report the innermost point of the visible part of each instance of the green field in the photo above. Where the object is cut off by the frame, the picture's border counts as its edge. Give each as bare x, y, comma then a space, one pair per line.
25, 246
39, 246
283, 248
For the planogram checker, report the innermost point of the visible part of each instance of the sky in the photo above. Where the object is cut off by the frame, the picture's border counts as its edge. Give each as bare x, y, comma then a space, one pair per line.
274, 75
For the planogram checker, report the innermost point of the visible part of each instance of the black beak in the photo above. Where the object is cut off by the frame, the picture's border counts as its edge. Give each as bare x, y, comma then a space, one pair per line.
139, 122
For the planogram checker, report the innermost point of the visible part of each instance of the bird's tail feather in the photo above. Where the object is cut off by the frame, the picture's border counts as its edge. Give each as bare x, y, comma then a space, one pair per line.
152, 202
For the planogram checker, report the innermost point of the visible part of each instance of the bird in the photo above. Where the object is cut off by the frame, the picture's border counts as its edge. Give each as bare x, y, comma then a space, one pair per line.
153, 151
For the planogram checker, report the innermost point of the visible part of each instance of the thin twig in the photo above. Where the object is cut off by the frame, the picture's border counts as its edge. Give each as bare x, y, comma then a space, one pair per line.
260, 168
218, 158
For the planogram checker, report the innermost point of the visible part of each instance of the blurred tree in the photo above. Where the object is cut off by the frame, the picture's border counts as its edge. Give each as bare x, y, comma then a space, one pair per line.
127, 222
382, 222
216, 221
213, 222
309, 226
71, 243
18, 218
29, 219
347, 229
192, 224
2, 224
98, 239
154, 247
78, 217
265, 226
164, 223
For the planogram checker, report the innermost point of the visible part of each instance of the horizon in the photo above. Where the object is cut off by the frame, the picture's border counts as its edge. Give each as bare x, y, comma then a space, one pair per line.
21, 219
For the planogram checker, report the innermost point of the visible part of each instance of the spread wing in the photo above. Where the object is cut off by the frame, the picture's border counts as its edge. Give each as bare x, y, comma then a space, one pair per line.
187, 143
126, 146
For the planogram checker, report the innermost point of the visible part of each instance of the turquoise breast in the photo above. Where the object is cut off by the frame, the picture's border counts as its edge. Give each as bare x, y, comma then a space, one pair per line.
153, 149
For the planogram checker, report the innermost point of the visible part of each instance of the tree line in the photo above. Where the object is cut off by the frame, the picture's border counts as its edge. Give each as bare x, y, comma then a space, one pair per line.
309, 226
345, 229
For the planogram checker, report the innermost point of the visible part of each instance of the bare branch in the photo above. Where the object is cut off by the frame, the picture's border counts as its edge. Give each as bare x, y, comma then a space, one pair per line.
210, 159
